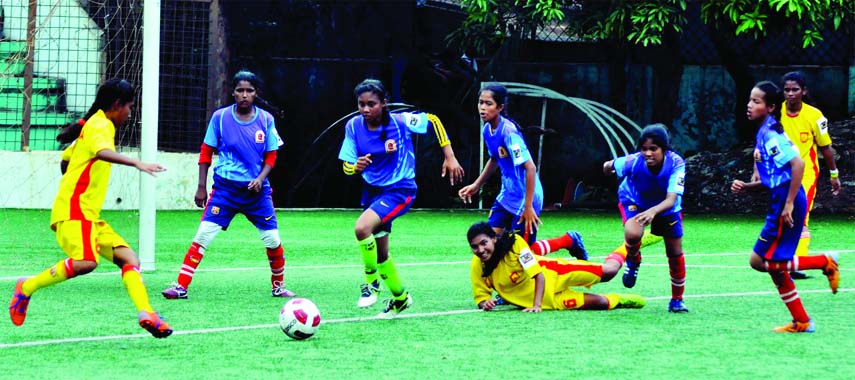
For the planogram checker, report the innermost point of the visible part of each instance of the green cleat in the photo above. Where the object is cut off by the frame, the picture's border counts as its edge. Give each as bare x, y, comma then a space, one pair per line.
630, 301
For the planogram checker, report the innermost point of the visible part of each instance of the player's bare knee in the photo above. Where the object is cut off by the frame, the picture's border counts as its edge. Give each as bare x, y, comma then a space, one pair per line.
82, 267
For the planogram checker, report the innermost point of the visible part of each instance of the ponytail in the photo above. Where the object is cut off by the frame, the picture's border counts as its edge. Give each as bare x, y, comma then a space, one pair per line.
109, 92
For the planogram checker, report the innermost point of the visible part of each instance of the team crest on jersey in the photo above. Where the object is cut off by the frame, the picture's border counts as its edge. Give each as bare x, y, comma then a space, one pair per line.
502, 152
259, 136
804, 136
215, 210
391, 146
514, 277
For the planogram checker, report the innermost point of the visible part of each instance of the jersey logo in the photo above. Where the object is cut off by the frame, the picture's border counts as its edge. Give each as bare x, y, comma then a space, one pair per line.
517, 151
514, 277
215, 210
502, 152
413, 120
804, 136
259, 136
773, 151
570, 304
527, 259
681, 181
632, 208
823, 125
391, 146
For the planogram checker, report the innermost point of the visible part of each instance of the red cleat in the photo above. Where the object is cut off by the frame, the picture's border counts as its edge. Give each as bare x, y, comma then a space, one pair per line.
19, 304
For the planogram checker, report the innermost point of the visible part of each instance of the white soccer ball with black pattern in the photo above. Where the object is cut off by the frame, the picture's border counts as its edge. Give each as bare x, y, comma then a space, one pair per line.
299, 318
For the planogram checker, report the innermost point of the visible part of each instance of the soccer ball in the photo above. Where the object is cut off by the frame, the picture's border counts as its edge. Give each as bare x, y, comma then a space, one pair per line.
299, 318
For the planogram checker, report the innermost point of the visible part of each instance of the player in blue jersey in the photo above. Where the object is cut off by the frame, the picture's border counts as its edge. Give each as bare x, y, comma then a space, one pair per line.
651, 193
378, 145
246, 140
780, 168
517, 207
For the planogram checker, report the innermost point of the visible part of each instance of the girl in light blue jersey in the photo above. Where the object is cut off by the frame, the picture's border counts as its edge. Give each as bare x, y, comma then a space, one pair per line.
378, 145
779, 166
651, 194
517, 207
246, 140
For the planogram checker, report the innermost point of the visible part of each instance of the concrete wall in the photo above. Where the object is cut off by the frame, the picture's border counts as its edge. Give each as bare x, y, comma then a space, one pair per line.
31, 179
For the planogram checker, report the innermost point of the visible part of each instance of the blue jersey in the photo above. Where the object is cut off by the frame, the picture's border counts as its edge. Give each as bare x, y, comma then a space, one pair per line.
507, 148
393, 159
241, 145
644, 189
775, 152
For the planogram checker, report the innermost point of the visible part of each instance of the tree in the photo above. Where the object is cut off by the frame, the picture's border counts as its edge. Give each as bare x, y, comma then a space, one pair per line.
647, 23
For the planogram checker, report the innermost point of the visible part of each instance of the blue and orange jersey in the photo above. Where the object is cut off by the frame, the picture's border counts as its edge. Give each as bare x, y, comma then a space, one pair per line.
391, 147
773, 152
645, 189
506, 146
83, 187
241, 145
513, 277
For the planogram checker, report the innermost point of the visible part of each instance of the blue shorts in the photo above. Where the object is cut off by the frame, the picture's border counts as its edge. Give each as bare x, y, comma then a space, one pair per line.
502, 218
228, 198
778, 242
389, 203
669, 226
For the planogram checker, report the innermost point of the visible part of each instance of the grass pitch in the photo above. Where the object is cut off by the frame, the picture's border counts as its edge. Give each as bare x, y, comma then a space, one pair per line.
86, 327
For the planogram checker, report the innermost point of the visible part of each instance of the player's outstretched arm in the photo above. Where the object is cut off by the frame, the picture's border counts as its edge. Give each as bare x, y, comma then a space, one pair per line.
118, 158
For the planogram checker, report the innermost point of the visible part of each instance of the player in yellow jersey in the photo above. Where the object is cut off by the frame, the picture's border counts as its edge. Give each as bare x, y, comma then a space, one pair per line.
506, 264
808, 129
76, 214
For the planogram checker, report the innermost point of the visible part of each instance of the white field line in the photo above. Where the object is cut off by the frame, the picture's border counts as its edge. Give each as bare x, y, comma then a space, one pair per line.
53, 342
346, 266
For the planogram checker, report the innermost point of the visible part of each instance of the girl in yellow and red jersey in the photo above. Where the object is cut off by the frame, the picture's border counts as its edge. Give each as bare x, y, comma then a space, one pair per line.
807, 128
506, 264
76, 214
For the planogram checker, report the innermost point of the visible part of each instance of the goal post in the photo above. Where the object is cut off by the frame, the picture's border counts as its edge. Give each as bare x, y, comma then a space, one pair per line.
148, 131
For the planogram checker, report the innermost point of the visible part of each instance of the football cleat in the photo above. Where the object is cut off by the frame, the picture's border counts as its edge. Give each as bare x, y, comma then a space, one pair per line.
19, 304
280, 291
677, 306
797, 327
577, 249
832, 272
630, 301
369, 294
152, 323
175, 292
630, 274
395, 307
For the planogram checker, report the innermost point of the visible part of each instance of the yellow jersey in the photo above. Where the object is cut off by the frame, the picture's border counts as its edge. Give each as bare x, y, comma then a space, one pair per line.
83, 187
513, 277
808, 131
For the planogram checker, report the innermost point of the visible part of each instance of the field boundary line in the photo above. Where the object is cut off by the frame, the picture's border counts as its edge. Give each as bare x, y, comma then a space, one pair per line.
49, 342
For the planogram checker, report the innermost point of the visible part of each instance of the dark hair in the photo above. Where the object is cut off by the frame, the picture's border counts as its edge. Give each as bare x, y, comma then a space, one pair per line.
500, 96
500, 250
109, 92
255, 81
500, 93
375, 87
772, 96
798, 77
657, 133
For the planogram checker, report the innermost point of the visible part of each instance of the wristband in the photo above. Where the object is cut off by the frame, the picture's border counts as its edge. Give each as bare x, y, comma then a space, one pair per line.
834, 173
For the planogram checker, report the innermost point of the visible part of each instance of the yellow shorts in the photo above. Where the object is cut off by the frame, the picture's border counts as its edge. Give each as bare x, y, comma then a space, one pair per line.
568, 299
87, 240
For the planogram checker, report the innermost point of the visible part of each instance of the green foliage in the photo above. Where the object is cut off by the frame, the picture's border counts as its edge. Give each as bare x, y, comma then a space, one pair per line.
645, 22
